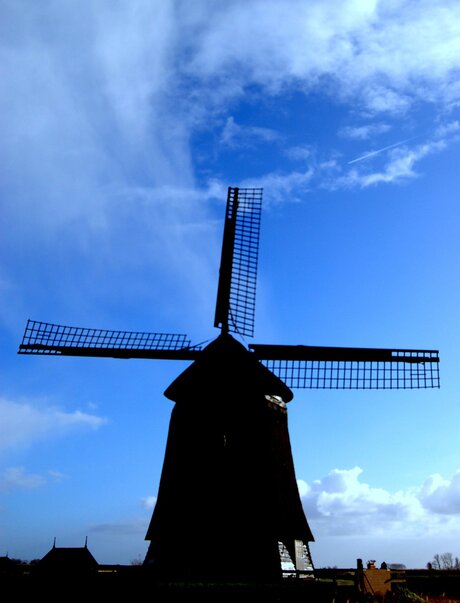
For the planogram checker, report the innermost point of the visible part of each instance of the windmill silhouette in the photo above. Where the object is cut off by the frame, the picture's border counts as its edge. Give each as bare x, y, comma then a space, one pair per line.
228, 505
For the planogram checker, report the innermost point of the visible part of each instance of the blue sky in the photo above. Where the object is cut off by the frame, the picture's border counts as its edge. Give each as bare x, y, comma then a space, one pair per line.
123, 124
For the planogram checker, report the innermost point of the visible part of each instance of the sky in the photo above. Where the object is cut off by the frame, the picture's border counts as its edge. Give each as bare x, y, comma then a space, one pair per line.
123, 124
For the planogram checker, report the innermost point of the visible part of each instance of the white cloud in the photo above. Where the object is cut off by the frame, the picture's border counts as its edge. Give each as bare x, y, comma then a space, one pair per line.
103, 102
87, 107
370, 154
399, 166
399, 163
235, 135
149, 502
99, 97
14, 478
98, 93
342, 504
282, 187
440, 495
364, 132
57, 476
22, 424
299, 152
386, 54
117, 529
451, 128
132, 45
18, 478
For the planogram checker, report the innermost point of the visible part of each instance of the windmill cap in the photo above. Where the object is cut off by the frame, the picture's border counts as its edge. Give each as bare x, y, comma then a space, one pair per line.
226, 366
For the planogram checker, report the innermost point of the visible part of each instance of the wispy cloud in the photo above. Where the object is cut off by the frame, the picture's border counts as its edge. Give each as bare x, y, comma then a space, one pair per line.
99, 124
398, 162
378, 151
236, 135
387, 56
149, 502
22, 424
117, 529
364, 132
158, 81
400, 159
399, 166
281, 187
18, 478
88, 111
448, 129
299, 152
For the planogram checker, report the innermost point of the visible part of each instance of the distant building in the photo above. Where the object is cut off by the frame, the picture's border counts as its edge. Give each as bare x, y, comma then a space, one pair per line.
379, 582
68, 560
8, 567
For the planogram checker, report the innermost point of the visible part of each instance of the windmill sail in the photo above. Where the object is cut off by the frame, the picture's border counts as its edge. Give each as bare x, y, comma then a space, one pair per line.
236, 294
299, 366
52, 339
350, 368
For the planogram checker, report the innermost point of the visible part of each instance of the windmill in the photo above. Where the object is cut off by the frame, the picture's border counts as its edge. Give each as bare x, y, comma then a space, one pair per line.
228, 506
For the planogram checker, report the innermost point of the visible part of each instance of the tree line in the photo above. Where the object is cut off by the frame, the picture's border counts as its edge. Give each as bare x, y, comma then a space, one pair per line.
444, 561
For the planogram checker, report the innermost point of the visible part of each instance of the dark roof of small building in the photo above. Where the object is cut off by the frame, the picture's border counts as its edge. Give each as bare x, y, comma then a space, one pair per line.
9, 566
6, 562
79, 558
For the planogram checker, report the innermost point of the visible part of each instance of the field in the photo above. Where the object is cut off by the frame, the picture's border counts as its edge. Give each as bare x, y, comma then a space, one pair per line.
328, 586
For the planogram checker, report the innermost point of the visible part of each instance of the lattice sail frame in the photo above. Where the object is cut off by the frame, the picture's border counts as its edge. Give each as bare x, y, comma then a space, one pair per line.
311, 374
236, 296
351, 368
298, 366
52, 339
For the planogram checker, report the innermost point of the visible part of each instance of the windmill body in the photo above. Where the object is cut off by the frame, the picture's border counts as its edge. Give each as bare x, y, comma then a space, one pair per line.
228, 495
228, 507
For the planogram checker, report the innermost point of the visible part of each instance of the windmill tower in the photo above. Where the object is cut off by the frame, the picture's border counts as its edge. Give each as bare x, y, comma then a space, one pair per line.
228, 445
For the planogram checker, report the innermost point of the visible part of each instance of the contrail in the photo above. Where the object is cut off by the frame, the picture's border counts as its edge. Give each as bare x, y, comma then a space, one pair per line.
391, 146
